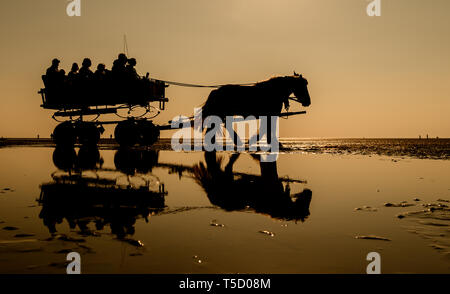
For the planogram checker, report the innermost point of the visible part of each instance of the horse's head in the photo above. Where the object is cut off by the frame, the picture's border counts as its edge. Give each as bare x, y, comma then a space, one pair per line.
300, 89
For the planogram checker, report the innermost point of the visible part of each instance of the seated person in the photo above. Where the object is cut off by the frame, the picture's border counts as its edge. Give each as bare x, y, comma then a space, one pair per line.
61, 77
52, 72
85, 72
101, 72
119, 63
118, 75
54, 82
73, 72
101, 77
130, 70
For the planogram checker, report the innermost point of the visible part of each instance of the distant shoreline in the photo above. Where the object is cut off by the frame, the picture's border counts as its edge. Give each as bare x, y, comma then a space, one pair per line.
11, 139
391, 147
108, 142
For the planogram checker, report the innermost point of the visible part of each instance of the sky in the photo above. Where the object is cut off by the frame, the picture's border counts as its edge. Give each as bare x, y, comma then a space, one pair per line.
382, 76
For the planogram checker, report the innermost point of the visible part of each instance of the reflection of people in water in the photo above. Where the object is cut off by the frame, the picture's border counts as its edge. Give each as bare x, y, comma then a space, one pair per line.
81, 212
265, 194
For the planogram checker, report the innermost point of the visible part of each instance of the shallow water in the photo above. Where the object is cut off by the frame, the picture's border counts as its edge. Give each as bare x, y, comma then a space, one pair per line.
416, 148
165, 212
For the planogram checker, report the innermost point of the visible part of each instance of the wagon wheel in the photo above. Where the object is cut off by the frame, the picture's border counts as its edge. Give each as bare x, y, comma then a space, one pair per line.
87, 133
88, 157
64, 134
148, 133
126, 133
65, 158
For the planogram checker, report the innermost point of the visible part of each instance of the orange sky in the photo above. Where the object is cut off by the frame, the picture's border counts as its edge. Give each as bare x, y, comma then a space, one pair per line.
386, 76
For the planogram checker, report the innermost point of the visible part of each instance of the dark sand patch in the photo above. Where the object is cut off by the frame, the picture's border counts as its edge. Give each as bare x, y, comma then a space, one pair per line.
372, 237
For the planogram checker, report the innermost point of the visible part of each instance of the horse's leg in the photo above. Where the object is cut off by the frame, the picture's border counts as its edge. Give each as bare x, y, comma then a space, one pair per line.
266, 129
211, 162
272, 130
269, 131
229, 166
213, 139
236, 139
253, 143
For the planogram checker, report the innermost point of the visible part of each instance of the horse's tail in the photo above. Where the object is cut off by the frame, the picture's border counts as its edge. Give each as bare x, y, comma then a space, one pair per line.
198, 119
206, 109
210, 103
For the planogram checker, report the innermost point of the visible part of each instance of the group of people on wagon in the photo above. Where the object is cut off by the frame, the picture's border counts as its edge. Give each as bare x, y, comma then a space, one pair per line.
122, 80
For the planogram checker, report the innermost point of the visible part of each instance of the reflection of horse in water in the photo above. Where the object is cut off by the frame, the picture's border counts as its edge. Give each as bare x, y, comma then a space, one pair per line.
236, 191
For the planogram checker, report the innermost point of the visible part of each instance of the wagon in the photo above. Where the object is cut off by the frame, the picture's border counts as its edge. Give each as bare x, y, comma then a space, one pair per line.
75, 100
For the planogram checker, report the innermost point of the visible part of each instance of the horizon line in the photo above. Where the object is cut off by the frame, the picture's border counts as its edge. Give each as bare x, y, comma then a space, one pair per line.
281, 138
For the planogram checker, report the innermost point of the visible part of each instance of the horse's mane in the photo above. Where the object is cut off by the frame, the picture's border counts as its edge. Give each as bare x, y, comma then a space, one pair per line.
277, 79
271, 80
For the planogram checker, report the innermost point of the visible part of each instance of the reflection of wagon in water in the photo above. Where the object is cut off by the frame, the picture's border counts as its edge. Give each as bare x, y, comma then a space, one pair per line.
74, 100
101, 196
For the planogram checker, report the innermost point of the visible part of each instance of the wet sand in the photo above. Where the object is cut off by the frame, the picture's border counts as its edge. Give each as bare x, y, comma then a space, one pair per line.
168, 212
438, 148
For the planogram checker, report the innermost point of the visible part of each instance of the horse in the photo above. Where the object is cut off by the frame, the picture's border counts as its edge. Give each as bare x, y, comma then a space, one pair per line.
261, 99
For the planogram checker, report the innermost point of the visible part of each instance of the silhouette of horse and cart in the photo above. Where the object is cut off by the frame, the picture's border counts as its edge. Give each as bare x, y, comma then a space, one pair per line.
84, 191
74, 103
